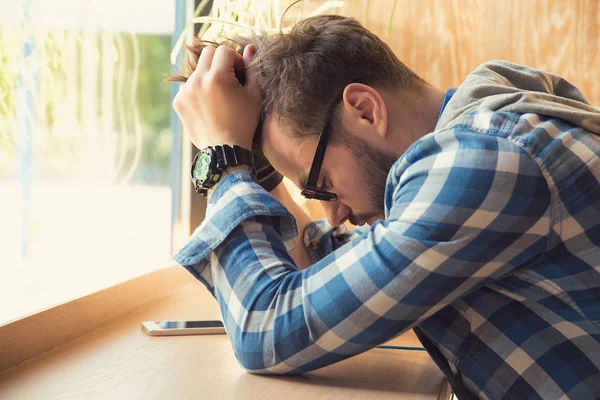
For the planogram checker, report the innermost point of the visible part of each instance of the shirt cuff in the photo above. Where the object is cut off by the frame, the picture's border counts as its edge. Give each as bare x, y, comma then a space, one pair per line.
235, 199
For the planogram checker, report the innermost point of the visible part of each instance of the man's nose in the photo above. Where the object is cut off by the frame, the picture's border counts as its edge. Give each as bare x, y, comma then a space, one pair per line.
336, 211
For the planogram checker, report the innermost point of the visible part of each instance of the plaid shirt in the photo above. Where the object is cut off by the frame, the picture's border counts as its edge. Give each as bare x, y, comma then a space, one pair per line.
490, 249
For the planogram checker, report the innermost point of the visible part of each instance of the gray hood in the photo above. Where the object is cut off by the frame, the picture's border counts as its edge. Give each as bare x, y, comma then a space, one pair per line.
507, 87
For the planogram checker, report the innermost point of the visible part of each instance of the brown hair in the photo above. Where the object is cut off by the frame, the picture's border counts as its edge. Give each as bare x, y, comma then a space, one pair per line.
302, 72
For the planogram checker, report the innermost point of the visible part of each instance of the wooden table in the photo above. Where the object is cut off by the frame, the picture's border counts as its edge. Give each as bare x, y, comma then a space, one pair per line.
119, 361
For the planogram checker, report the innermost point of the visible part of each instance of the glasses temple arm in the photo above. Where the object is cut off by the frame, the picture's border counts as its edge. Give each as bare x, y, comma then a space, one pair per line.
315, 169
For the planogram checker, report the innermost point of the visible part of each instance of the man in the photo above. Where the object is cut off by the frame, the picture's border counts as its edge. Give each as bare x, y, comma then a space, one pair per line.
482, 205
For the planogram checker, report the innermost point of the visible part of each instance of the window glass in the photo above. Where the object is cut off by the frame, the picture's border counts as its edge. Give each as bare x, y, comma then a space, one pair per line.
85, 146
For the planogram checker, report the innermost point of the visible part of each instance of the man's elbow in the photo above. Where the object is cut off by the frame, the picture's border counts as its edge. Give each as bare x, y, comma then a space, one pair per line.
272, 371
255, 360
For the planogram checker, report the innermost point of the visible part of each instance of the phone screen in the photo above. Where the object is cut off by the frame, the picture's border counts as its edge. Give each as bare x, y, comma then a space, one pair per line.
188, 324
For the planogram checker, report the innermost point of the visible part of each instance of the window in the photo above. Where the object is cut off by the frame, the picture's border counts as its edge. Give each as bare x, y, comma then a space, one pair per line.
85, 147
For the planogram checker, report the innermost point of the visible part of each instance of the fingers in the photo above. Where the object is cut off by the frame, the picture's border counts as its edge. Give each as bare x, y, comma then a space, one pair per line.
218, 68
202, 66
249, 52
226, 61
252, 72
205, 59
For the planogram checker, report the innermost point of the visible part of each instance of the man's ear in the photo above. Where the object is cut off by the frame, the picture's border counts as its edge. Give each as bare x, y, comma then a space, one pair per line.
366, 107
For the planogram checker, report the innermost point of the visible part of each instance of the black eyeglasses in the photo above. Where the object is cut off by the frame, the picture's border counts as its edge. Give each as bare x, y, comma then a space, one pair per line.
310, 189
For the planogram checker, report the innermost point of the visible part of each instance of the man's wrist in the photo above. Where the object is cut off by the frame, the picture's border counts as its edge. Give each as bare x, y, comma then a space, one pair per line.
243, 145
226, 171
232, 168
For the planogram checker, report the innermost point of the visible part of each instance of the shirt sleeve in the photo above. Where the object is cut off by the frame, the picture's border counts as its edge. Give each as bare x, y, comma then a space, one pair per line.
463, 210
236, 198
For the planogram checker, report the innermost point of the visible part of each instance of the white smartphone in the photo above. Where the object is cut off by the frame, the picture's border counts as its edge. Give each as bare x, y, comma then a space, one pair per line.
174, 328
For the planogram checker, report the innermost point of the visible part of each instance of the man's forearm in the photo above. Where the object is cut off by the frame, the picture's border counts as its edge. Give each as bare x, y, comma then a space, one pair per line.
300, 254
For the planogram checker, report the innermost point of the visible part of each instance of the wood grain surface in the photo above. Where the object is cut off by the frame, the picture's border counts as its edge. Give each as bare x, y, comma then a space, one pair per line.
32, 335
118, 361
444, 40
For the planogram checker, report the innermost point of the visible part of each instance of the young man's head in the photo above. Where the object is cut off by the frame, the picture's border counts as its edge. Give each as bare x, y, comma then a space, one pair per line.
329, 72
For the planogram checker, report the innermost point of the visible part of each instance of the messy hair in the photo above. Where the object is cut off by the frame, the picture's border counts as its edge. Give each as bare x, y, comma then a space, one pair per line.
304, 71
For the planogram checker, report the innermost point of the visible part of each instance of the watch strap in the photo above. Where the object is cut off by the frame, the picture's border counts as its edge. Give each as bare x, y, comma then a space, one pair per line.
268, 177
233, 155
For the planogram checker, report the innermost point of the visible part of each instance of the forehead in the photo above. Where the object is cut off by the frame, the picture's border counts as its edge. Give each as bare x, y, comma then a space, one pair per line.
289, 155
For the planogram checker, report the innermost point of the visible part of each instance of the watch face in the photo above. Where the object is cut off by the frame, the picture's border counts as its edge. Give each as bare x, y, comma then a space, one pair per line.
202, 165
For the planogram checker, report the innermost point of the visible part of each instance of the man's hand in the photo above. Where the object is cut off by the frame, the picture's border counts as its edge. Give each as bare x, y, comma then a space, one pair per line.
213, 105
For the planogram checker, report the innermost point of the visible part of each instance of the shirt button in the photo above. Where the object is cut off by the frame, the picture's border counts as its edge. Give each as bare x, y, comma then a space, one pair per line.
314, 245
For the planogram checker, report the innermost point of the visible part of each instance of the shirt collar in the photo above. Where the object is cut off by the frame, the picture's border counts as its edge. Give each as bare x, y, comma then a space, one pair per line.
447, 98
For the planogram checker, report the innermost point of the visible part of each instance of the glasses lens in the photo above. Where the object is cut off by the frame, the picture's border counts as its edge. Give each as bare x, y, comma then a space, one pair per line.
318, 195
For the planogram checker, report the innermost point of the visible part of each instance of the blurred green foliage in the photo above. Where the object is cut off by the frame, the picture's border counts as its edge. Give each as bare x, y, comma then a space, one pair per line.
154, 101
131, 138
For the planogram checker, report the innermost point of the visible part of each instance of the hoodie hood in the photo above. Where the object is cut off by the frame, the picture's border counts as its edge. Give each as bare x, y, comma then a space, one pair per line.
507, 87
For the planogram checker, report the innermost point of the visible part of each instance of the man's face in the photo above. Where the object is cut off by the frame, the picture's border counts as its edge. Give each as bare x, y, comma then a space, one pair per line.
356, 175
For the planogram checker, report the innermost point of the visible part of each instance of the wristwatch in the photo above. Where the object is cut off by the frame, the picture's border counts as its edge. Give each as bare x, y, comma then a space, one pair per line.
208, 165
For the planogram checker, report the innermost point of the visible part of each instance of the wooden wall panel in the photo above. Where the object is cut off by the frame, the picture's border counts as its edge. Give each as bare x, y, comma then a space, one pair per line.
444, 40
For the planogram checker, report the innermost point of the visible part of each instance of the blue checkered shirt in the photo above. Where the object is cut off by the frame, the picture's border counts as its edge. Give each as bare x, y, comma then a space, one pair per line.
490, 250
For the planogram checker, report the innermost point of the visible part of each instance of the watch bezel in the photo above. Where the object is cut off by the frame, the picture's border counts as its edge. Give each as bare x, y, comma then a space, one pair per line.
213, 174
